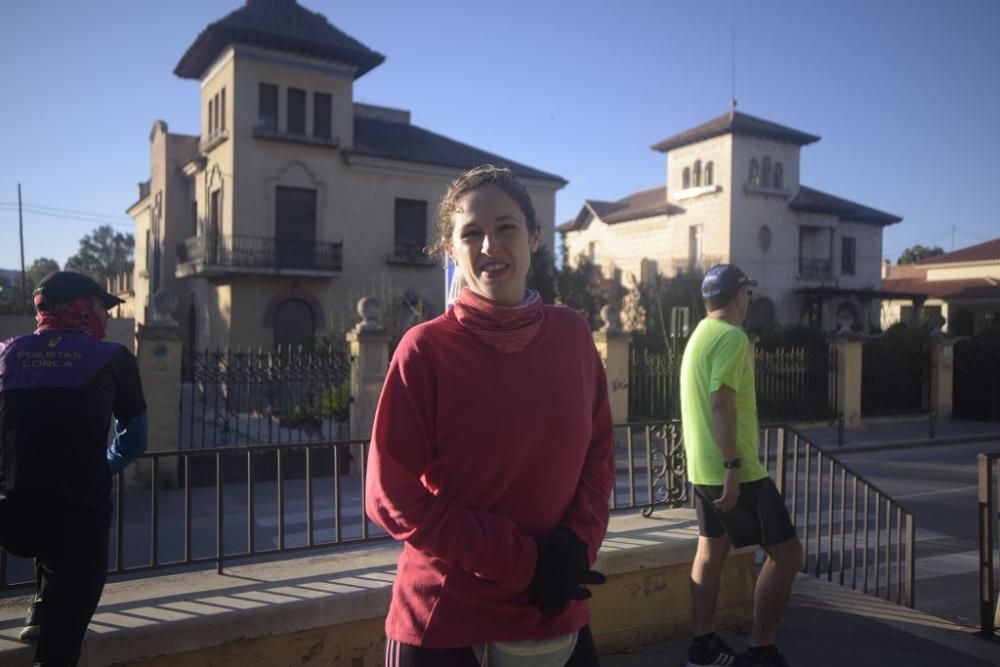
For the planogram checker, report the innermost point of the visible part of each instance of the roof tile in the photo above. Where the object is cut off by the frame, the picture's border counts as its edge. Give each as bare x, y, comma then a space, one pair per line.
278, 24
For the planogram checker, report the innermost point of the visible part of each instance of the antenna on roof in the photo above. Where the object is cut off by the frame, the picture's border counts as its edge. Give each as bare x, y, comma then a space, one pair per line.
732, 100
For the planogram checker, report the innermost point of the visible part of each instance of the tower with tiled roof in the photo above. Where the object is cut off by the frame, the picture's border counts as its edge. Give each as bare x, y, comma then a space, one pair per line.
293, 199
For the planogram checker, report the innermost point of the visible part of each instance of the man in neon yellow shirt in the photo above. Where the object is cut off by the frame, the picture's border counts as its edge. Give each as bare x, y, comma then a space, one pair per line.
736, 500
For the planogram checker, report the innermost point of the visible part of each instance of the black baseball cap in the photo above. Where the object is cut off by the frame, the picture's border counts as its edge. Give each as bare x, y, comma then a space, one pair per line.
724, 279
63, 286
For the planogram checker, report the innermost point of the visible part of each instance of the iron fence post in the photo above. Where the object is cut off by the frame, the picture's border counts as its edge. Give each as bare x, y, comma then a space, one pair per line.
987, 510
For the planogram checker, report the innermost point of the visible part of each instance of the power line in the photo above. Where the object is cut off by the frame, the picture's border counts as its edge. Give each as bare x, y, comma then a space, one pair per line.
68, 211
78, 218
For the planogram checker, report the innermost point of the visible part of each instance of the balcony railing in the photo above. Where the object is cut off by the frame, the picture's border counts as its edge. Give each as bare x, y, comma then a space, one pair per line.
811, 268
226, 253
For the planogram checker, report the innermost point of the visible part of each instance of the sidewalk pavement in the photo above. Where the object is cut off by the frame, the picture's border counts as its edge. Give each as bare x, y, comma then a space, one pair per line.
901, 433
827, 625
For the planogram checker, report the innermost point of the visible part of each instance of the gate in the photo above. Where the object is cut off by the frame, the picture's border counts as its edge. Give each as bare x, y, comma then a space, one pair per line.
796, 383
895, 374
238, 399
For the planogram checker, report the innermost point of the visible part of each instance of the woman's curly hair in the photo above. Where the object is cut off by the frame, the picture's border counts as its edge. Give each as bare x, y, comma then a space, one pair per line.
475, 178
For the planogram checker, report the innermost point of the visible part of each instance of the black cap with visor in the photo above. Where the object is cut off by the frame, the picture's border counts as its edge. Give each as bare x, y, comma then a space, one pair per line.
63, 286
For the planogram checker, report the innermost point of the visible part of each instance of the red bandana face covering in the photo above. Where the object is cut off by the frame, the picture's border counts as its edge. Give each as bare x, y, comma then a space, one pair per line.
79, 315
507, 330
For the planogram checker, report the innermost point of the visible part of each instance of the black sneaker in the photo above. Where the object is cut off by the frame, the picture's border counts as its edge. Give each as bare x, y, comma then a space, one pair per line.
32, 623
770, 659
715, 652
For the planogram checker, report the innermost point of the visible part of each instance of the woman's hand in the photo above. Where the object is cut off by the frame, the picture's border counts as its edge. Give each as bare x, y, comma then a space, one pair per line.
561, 570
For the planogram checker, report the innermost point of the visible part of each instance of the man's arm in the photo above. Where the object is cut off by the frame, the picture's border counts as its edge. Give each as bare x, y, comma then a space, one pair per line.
724, 428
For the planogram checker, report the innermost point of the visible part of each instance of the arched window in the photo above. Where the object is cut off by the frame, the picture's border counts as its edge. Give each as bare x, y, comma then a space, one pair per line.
779, 176
709, 173
765, 172
697, 173
686, 179
754, 178
294, 323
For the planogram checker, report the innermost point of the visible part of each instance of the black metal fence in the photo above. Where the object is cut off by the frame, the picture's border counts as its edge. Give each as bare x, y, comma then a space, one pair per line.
650, 468
274, 499
852, 532
654, 384
797, 383
235, 399
895, 376
976, 387
198, 506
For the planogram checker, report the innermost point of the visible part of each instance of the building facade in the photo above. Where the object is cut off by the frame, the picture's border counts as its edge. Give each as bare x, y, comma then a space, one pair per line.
962, 286
295, 200
733, 194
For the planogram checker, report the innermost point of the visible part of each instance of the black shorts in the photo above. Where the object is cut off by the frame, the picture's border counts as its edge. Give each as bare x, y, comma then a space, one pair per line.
760, 515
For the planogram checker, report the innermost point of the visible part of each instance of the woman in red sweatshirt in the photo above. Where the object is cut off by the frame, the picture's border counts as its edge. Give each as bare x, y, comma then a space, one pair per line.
491, 455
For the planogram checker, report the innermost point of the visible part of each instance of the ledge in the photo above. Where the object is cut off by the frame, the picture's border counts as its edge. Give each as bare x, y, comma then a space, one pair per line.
215, 140
763, 190
402, 260
275, 135
164, 616
691, 193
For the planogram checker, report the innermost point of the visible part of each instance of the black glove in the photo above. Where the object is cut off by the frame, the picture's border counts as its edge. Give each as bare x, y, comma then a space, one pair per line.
560, 571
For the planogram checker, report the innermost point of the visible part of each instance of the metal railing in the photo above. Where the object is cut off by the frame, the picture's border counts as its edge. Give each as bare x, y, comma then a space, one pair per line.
261, 252
852, 532
216, 505
198, 506
650, 468
812, 268
989, 533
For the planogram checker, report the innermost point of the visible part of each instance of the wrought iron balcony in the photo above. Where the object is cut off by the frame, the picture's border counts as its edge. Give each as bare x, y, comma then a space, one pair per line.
210, 256
812, 268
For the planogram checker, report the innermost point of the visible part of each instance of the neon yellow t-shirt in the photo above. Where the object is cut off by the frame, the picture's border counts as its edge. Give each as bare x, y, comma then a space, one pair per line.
717, 354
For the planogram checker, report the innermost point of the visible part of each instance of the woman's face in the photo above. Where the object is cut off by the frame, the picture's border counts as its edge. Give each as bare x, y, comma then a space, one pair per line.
492, 246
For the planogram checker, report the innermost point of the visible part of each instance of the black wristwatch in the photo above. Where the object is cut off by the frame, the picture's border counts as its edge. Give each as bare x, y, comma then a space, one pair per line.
735, 463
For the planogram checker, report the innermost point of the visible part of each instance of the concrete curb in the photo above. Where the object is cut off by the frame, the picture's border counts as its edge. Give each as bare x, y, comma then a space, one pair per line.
909, 444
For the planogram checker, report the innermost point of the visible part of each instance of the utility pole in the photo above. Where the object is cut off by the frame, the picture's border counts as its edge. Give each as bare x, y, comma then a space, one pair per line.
732, 99
953, 238
20, 230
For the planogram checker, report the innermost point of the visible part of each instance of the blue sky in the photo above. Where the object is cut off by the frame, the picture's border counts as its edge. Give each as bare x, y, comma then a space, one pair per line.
904, 93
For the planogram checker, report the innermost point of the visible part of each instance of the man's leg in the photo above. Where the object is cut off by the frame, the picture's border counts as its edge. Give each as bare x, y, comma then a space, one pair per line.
75, 567
33, 619
706, 577
774, 587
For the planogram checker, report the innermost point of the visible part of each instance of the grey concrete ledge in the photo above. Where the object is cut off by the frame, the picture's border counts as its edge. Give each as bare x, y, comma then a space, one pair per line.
177, 613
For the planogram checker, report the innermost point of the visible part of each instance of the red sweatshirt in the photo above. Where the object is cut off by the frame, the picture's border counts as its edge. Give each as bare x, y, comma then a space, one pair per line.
473, 452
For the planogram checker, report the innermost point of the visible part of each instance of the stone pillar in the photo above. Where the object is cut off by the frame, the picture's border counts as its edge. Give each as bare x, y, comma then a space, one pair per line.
159, 350
613, 347
369, 345
918, 307
942, 363
848, 380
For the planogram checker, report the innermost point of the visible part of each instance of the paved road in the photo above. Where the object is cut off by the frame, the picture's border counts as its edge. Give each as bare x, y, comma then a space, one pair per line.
938, 484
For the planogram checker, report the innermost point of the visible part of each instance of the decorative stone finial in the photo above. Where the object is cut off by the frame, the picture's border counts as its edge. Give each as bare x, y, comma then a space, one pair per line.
611, 318
164, 308
368, 309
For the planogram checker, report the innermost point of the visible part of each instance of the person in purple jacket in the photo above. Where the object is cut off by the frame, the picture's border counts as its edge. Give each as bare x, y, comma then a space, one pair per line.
60, 387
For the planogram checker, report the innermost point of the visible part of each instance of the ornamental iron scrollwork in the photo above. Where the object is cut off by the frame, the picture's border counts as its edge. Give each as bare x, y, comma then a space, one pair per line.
667, 467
